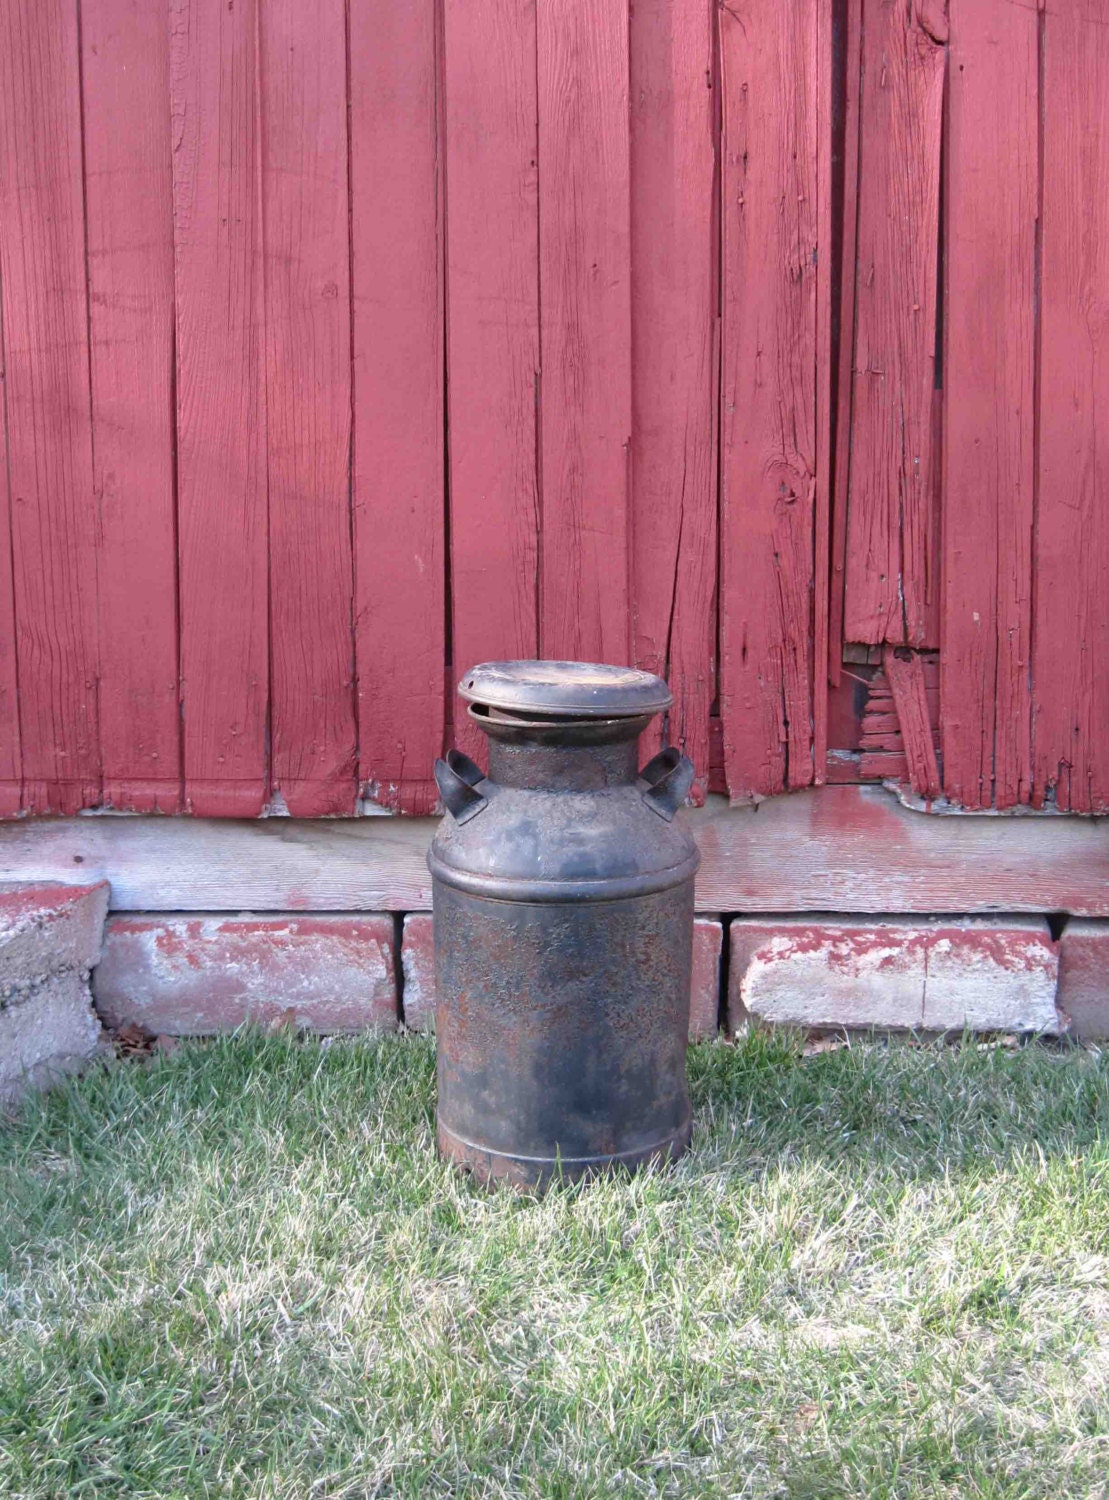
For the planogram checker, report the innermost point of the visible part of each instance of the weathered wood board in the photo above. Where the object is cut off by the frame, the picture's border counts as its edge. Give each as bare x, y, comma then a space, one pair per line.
675, 326
492, 165
585, 415
129, 233
1070, 683
770, 259
46, 391
989, 367
891, 589
834, 848
223, 533
396, 228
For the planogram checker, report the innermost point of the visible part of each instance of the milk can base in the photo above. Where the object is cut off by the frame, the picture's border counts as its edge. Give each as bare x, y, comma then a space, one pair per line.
538, 1171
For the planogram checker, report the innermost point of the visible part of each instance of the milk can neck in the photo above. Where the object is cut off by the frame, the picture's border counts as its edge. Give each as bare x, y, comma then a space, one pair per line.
551, 767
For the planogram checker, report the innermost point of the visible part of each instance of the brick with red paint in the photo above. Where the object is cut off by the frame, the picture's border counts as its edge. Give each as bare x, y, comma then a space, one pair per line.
1084, 978
895, 972
198, 974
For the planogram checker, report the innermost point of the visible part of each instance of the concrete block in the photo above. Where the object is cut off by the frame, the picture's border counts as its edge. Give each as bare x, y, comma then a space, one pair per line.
49, 929
418, 958
895, 972
194, 975
49, 1032
1084, 978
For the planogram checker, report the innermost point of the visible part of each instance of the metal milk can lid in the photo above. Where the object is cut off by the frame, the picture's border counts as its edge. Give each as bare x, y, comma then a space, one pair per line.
566, 689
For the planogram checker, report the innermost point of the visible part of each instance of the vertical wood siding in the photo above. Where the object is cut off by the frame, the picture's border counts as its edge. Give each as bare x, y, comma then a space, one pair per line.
765, 346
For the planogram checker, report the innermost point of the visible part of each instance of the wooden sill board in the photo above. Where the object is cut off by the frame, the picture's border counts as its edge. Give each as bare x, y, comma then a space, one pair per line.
835, 849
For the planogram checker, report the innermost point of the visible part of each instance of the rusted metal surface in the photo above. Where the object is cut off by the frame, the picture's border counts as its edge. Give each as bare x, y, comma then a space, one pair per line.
563, 904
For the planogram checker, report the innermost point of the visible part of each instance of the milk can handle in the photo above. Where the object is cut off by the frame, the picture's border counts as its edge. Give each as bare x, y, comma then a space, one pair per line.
669, 777
457, 777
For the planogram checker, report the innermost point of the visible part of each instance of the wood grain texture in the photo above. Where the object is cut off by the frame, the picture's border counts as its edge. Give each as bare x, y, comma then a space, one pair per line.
129, 207
828, 849
308, 385
674, 357
905, 674
769, 60
11, 760
221, 413
1071, 627
852, 74
396, 246
825, 358
492, 334
891, 592
45, 323
585, 321
991, 187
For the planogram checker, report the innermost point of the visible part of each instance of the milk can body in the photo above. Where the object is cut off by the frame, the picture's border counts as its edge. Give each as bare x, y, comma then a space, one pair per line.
563, 910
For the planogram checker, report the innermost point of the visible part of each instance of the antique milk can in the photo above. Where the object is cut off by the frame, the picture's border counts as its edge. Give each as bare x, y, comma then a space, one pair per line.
563, 901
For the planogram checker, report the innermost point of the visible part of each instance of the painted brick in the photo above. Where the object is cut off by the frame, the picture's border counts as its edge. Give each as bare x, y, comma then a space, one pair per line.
1084, 978
418, 958
704, 997
49, 929
897, 972
418, 963
194, 975
51, 1030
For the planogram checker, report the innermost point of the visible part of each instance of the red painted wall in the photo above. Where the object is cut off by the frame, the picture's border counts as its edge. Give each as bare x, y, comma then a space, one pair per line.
346, 345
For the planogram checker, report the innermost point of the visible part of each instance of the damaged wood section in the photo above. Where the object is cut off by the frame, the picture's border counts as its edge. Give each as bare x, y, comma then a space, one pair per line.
772, 179
890, 591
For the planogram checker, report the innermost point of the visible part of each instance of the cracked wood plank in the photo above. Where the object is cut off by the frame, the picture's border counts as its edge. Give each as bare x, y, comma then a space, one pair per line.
769, 61
992, 185
1071, 626
674, 357
492, 335
905, 674
45, 325
221, 409
890, 591
304, 186
129, 206
585, 322
852, 66
399, 533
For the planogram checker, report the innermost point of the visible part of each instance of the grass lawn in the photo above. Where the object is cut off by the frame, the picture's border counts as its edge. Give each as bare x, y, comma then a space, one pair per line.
239, 1270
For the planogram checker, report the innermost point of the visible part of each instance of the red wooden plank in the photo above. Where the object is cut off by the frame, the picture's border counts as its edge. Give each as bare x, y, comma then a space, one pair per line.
891, 521
308, 382
852, 44
822, 522
45, 321
1071, 630
768, 431
398, 398
585, 320
906, 678
11, 765
674, 347
992, 184
129, 206
492, 333
221, 416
